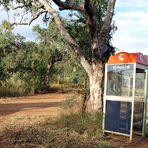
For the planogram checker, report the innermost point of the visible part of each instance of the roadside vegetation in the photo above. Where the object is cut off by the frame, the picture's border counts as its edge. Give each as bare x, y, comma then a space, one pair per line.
72, 129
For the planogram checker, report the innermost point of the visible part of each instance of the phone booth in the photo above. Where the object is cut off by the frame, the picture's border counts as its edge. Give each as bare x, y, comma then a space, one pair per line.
126, 94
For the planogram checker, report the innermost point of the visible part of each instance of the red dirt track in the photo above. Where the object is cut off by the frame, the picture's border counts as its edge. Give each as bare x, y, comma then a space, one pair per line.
45, 104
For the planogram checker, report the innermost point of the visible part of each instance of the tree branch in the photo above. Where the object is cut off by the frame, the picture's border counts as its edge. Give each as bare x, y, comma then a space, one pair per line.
68, 5
30, 21
106, 25
15, 45
25, 4
93, 28
67, 37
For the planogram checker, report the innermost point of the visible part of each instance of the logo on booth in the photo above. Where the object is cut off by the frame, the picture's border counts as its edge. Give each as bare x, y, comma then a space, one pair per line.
121, 57
121, 67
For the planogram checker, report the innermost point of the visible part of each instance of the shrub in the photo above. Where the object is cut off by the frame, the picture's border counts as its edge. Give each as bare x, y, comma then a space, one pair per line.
13, 87
81, 122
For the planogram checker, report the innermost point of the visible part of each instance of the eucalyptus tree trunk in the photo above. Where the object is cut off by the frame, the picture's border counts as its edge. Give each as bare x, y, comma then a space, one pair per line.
95, 82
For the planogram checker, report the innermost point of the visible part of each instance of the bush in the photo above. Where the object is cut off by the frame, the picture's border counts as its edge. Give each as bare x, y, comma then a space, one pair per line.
89, 124
14, 87
104, 144
81, 122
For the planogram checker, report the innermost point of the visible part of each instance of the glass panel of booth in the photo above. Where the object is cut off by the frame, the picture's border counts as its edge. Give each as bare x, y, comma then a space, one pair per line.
145, 130
139, 100
140, 83
120, 80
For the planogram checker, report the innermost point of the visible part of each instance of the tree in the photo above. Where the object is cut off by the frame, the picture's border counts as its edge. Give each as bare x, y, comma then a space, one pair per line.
98, 34
21, 60
62, 65
51, 42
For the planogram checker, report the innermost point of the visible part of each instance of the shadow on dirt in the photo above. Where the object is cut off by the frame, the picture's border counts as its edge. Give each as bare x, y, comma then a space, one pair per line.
6, 109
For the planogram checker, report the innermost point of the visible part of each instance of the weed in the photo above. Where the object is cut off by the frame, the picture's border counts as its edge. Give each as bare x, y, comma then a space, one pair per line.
104, 144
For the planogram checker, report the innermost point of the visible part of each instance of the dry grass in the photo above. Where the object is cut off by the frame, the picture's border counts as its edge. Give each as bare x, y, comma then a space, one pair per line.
29, 129
21, 121
66, 131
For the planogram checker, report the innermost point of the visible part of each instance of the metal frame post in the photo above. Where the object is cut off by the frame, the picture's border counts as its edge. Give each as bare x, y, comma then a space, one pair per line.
145, 104
104, 96
133, 100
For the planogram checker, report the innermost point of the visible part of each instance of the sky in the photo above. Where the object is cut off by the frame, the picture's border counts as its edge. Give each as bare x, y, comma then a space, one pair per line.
23, 30
131, 19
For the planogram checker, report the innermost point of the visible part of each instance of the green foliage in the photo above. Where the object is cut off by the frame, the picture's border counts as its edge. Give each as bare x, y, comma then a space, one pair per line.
65, 66
28, 61
104, 144
31, 60
14, 87
69, 103
87, 123
78, 28
20, 62
7, 25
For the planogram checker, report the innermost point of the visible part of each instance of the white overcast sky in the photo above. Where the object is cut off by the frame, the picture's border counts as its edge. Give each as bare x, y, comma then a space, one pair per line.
131, 18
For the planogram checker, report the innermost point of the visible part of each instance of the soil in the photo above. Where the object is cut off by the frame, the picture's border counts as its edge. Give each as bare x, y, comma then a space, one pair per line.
31, 109
32, 105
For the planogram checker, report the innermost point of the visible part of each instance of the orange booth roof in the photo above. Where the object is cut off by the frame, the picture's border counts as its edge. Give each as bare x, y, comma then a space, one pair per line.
124, 57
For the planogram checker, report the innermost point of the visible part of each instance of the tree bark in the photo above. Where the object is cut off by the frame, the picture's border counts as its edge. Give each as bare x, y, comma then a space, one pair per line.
95, 81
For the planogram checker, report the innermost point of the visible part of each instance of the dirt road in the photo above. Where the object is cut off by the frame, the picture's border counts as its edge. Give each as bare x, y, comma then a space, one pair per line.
38, 104
30, 109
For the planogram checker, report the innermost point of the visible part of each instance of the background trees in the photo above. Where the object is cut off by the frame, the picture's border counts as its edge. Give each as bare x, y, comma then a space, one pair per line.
28, 67
22, 67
